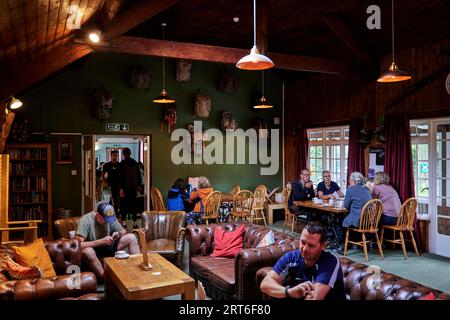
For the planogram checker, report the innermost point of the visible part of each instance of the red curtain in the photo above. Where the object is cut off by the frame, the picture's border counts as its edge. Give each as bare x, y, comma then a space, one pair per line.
355, 149
302, 147
398, 159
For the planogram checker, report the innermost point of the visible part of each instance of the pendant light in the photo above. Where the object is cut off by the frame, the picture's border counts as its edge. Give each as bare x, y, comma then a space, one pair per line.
263, 103
394, 74
164, 97
255, 60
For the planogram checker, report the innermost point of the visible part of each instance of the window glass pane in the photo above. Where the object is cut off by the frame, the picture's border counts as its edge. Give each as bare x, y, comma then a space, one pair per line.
316, 135
312, 152
422, 188
346, 134
422, 152
333, 134
319, 152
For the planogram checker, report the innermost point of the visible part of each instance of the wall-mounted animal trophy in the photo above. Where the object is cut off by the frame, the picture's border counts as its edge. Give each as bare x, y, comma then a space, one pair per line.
103, 104
227, 81
202, 106
169, 117
184, 68
138, 77
228, 122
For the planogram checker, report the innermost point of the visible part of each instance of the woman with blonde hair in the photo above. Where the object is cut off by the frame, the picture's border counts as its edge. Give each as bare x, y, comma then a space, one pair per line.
387, 194
199, 197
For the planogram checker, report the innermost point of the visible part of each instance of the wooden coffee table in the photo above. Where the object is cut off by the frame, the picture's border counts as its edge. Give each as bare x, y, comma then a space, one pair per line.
134, 283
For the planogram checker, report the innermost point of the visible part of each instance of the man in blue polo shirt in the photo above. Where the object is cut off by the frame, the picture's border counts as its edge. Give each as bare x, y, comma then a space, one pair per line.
327, 188
309, 273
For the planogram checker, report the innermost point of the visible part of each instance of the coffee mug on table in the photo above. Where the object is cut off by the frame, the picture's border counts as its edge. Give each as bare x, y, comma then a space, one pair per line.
120, 254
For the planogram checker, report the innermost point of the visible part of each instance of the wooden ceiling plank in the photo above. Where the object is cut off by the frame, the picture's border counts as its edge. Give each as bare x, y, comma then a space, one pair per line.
52, 24
42, 23
31, 15
191, 51
136, 15
62, 21
347, 36
17, 25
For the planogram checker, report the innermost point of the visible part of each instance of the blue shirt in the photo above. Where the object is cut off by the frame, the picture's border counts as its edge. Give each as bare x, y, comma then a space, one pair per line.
355, 199
327, 270
334, 187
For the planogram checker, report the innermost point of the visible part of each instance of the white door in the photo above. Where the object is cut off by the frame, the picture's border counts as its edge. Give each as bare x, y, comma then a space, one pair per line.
442, 187
88, 169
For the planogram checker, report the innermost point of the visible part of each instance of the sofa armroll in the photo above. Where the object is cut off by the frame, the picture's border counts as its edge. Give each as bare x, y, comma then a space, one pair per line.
201, 238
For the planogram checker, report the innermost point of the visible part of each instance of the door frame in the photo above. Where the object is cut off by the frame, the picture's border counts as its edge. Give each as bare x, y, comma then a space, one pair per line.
147, 163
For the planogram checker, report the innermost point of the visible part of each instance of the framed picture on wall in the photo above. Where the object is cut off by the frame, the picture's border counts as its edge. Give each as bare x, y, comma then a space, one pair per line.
64, 152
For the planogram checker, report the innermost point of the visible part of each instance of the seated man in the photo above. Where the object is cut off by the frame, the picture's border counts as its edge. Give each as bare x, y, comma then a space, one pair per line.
301, 190
309, 273
327, 189
101, 235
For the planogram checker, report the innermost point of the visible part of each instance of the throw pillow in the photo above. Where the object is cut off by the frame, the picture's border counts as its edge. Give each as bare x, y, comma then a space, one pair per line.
430, 296
19, 272
35, 254
267, 240
227, 244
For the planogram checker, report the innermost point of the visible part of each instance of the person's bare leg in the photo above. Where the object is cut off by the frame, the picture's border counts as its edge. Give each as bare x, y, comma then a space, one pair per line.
129, 241
93, 263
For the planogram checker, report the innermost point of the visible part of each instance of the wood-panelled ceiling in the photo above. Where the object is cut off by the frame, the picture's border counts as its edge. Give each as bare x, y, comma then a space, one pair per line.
32, 30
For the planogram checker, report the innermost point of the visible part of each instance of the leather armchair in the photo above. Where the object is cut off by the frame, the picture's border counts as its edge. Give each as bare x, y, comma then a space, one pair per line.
63, 226
359, 284
63, 253
233, 278
165, 234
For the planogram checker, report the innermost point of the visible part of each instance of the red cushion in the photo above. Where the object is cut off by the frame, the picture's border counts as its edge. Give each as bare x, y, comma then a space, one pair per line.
227, 244
430, 296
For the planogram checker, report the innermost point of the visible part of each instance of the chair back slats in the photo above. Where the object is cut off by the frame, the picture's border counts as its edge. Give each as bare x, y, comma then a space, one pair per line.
212, 205
370, 215
235, 189
259, 196
285, 196
407, 214
157, 200
242, 203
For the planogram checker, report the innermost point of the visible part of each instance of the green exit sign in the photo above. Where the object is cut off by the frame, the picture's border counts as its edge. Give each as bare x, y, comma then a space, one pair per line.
117, 127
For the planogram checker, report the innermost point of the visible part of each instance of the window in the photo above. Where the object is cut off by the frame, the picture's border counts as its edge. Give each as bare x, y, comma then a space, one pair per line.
328, 150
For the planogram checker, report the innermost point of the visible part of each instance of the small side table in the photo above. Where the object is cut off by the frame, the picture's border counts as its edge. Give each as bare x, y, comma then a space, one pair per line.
424, 231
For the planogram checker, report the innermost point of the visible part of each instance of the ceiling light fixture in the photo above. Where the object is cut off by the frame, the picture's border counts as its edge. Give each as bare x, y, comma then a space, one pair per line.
255, 60
263, 103
394, 74
94, 36
12, 103
164, 96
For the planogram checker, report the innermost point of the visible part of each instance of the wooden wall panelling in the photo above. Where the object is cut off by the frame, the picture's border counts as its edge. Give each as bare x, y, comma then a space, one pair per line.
30, 23
53, 16
17, 22
42, 24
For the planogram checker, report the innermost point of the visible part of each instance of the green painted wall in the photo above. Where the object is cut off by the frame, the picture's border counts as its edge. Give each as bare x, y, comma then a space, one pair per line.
63, 103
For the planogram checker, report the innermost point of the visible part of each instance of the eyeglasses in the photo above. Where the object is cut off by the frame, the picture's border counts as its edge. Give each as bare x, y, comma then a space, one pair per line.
305, 174
327, 176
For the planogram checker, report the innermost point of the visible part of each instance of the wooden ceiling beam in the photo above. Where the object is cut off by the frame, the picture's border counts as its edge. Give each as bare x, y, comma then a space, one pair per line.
191, 51
261, 25
347, 36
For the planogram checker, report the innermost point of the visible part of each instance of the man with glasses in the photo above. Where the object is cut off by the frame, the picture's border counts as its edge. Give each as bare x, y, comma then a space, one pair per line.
301, 190
328, 189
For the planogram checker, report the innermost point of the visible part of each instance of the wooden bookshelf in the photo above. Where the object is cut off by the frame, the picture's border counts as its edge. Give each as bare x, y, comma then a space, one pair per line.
30, 189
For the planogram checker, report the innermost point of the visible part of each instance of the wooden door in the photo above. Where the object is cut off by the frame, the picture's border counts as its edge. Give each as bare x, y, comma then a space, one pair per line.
89, 183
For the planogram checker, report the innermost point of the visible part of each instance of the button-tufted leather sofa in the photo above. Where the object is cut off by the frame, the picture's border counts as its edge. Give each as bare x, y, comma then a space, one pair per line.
63, 253
361, 284
63, 226
233, 278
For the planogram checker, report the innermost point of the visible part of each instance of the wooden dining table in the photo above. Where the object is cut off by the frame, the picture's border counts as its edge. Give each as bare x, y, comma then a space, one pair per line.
320, 206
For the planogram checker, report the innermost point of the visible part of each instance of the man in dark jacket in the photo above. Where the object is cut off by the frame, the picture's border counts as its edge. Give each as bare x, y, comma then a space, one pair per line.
130, 181
301, 190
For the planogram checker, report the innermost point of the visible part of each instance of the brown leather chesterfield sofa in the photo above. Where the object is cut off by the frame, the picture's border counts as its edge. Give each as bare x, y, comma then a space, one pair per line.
165, 234
233, 278
360, 284
63, 254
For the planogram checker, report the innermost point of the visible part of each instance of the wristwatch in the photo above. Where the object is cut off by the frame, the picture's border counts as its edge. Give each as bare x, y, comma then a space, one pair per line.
286, 291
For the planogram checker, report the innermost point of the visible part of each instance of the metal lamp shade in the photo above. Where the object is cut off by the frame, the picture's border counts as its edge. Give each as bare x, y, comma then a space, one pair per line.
394, 74
163, 98
255, 61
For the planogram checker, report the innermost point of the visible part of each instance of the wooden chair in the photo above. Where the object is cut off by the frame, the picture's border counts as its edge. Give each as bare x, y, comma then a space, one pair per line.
235, 189
258, 204
212, 207
405, 222
242, 205
368, 223
157, 200
290, 219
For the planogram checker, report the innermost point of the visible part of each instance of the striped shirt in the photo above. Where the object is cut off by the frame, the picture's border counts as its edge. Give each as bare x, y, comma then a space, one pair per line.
327, 270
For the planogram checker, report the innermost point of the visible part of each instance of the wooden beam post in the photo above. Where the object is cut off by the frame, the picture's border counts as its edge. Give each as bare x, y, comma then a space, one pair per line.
261, 25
